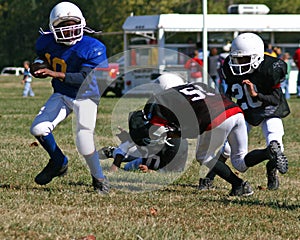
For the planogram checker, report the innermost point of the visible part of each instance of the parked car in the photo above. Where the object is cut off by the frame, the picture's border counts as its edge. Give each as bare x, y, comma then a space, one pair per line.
17, 71
113, 80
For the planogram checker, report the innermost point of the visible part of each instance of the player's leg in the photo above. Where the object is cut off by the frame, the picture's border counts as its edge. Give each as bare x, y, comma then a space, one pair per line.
259, 155
207, 182
133, 165
273, 131
225, 152
239, 186
55, 110
208, 143
86, 113
238, 141
256, 156
206, 156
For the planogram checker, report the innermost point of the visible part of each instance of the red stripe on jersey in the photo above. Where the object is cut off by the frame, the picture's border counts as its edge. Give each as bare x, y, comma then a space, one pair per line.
223, 116
158, 121
276, 86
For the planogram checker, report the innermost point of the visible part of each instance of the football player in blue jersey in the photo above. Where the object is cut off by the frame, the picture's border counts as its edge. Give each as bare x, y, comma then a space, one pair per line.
72, 57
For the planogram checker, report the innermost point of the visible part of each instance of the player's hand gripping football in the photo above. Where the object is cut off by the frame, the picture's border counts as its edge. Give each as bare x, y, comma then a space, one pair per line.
45, 72
40, 68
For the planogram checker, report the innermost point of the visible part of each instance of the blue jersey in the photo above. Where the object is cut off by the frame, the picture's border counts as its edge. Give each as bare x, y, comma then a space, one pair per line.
85, 54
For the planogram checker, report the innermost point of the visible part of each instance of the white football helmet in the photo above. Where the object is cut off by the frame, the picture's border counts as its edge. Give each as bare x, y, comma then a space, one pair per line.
169, 80
70, 34
246, 54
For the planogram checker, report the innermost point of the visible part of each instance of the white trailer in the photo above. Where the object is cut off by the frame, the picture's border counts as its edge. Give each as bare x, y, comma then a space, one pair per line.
158, 53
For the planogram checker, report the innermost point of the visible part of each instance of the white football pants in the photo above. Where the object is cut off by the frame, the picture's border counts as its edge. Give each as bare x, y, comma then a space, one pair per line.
272, 129
57, 108
233, 129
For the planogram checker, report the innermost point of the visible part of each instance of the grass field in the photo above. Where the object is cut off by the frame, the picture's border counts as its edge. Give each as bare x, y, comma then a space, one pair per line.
67, 208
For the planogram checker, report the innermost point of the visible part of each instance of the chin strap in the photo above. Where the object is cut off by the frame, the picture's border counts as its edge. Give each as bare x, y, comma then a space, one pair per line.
89, 30
41, 31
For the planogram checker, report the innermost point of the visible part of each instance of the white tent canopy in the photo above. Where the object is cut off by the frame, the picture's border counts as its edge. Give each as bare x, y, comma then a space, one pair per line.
214, 22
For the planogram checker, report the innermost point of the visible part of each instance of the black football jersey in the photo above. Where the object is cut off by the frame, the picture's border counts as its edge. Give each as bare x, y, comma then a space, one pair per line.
171, 157
192, 108
270, 101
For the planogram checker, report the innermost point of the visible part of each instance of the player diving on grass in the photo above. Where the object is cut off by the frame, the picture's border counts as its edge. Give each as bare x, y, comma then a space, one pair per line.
195, 111
148, 154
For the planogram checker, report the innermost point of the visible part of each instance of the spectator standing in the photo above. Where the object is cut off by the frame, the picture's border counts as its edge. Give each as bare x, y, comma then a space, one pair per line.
296, 59
200, 50
278, 52
213, 66
269, 50
194, 65
222, 56
27, 80
285, 84
189, 51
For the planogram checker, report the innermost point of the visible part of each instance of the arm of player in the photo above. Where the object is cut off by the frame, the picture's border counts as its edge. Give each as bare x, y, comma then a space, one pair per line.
123, 135
145, 169
70, 78
269, 99
45, 72
250, 88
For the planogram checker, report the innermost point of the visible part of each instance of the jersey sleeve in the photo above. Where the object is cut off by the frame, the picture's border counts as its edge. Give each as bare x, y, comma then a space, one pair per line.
278, 72
94, 54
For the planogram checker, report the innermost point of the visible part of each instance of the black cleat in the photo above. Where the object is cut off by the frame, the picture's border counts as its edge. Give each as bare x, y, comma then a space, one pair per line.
243, 190
101, 186
49, 172
273, 180
277, 158
205, 184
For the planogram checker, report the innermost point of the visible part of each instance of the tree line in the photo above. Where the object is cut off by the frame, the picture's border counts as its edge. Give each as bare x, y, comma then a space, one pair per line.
20, 20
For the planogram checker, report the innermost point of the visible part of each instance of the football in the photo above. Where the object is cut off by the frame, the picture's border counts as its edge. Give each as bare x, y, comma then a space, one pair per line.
39, 63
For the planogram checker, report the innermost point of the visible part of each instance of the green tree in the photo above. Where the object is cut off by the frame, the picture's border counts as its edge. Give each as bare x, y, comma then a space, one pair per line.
20, 20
